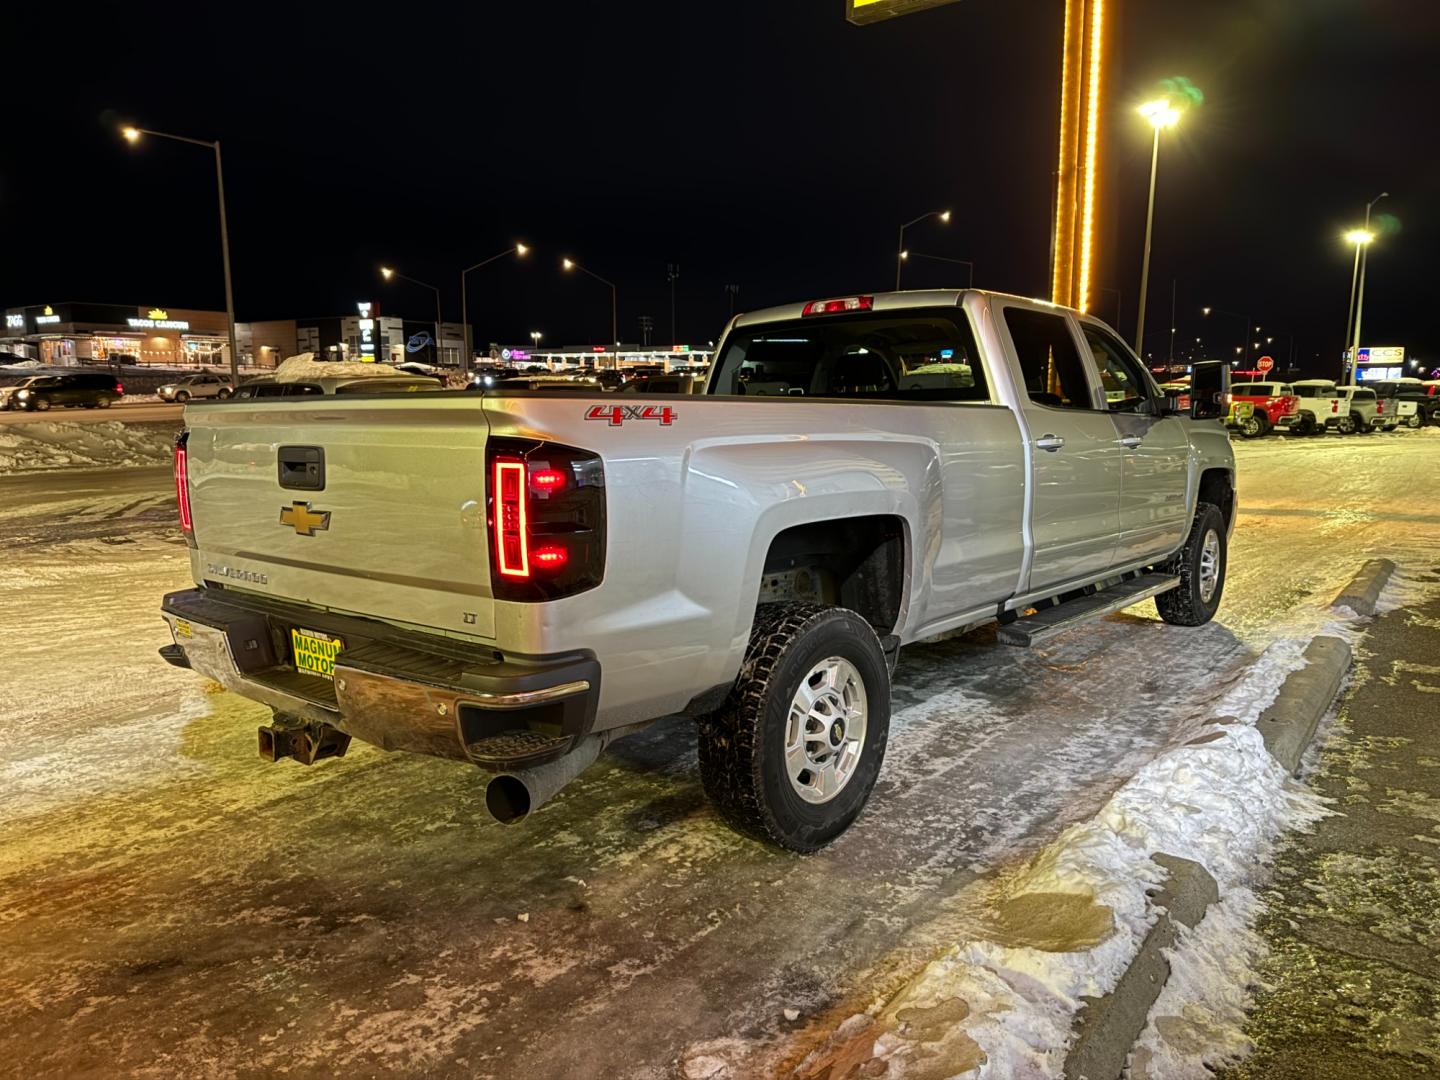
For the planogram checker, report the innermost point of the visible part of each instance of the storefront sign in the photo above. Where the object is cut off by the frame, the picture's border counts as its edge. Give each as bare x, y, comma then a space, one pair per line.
48, 316
418, 342
157, 319
367, 340
15, 322
1383, 354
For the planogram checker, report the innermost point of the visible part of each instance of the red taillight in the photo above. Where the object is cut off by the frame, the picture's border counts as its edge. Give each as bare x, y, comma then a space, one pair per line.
1335, 405
512, 542
839, 306
120, 388
547, 480
182, 487
1379, 407
550, 557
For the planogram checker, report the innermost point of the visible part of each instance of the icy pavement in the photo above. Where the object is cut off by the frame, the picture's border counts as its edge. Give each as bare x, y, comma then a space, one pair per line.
170, 904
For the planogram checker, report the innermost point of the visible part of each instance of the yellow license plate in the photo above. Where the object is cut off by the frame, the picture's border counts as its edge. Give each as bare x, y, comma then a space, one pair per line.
315, 652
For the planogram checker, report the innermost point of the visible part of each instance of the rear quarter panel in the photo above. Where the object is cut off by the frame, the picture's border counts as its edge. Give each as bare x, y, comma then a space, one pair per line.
692, 508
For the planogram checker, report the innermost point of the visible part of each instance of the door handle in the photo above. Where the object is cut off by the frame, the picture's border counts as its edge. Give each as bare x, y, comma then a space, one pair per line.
1050, 442
1131, 441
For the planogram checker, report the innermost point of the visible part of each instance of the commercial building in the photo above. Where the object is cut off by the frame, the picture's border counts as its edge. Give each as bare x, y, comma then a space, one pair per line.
72, 333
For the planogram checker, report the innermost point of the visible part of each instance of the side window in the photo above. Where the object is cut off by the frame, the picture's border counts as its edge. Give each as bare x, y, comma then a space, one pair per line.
1051, 366
1126, 385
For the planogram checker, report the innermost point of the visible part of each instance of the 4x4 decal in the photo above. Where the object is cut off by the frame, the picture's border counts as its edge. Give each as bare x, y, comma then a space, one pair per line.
615, 415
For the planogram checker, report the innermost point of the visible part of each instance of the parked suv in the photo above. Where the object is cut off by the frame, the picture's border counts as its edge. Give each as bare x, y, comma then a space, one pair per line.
195, 386
87, 389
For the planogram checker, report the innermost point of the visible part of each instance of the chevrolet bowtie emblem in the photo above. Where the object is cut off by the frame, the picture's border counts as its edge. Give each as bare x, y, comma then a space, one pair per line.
303, 520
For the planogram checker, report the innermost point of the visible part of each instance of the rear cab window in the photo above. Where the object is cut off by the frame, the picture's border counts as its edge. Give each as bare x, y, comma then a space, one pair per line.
1049, 361
923, 355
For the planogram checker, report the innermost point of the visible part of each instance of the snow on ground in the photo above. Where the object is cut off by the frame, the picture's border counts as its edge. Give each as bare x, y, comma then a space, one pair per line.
108, 444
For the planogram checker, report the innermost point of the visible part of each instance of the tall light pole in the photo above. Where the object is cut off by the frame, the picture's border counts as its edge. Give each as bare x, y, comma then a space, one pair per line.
1362, 239
1358, 276
571, 264
518, 249
535, 336
672, 274
132, 135
900, 252
388, 272
1161, 115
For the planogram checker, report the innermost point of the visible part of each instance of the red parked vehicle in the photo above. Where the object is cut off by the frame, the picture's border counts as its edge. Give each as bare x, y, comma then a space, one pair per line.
1276, 406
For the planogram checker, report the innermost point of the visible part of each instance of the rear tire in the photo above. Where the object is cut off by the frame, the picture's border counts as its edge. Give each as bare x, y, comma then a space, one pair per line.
106, 402
811, 676
1415, 421
224, 393
1346, 425
1201, 565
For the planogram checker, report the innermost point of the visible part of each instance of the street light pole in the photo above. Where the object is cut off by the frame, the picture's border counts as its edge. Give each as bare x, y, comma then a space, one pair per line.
571, 264
518, 249
900, 252
1161, 115
387, 272
1362, 253
132, 135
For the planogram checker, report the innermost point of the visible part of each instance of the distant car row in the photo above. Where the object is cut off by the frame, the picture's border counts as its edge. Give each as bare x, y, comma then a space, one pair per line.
70, 390
1312, 406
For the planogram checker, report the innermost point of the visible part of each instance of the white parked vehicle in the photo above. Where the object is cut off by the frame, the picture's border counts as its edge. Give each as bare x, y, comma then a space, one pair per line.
204, 385
1328, 409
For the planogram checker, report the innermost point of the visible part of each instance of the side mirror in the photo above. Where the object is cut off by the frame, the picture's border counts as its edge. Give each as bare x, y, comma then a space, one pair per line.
1209, 389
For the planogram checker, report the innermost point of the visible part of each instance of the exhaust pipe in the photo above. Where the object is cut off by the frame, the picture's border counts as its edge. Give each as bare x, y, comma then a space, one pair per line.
512, 797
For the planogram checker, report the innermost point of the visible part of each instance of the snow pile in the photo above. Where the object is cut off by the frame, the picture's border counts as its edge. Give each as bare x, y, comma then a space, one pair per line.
1068, 923
105, 444
304, 367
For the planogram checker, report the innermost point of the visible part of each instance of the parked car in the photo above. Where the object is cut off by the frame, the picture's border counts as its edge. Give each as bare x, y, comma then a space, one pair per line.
758, 564
1409, 399
543, 382
70, 390
1276, 406
430, 371
1324, 406
267, 386
203, 385
1366, 413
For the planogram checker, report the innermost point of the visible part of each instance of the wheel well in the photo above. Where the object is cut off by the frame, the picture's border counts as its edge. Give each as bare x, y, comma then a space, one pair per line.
1217, 488
856, 563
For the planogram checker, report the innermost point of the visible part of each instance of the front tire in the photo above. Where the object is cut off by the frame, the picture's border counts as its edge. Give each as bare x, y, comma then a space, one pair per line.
182, 397
1201, 564
41, 405
791, 756
1252, 427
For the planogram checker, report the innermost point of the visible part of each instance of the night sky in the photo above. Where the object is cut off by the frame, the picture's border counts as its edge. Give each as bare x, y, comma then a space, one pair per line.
764, 143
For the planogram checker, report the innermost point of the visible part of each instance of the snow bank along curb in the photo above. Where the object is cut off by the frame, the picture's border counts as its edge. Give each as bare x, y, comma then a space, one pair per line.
1288, 725
103, 444
1365, 587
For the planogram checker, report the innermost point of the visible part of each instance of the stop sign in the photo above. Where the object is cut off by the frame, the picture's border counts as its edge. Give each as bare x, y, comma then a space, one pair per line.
1265, 363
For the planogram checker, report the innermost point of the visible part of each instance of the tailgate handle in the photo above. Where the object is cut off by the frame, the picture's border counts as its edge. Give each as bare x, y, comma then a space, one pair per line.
302, 468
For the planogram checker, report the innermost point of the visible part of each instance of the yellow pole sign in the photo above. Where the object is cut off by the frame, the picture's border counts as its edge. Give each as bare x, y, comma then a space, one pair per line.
861, 12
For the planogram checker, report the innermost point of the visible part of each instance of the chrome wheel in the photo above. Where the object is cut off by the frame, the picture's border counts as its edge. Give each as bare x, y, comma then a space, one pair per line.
1209, 565
1250, 428
825, 730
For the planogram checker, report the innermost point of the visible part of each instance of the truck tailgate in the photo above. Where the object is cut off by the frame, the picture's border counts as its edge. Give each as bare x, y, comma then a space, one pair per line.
394, 529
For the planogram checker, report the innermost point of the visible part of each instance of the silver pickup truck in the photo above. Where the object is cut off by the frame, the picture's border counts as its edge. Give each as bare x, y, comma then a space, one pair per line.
514, 579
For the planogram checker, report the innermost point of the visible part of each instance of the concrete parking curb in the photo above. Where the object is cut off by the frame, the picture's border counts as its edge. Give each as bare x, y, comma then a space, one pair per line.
1107, 1027
1288, 725
1364, 589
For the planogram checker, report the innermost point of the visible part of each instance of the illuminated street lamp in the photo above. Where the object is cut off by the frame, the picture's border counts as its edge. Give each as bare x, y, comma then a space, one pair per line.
520, 250
900, 253
1161, 115
571, 264
1362, 239
535, 337
132, 134
388, 272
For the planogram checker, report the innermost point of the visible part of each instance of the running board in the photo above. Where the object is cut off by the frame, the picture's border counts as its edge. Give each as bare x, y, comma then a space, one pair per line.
1036, 628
